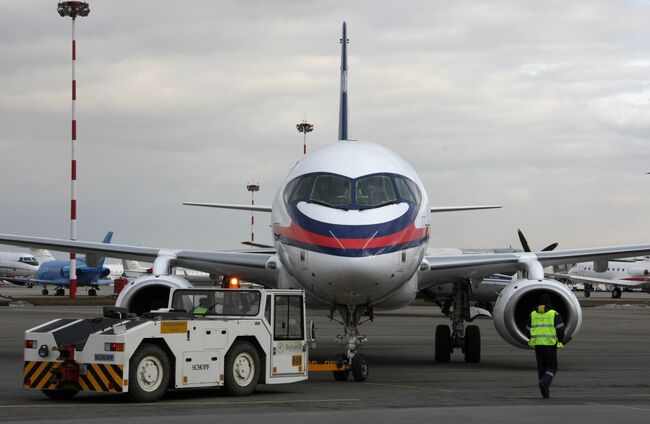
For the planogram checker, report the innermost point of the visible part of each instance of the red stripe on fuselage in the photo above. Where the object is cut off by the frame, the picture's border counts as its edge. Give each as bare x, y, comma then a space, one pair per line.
299, 234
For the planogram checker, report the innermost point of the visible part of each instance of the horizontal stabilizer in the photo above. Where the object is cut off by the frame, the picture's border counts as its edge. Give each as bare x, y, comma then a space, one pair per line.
253, 208
462, 208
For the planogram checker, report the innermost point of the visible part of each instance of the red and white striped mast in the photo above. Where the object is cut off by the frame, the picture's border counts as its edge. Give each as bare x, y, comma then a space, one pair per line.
73, 9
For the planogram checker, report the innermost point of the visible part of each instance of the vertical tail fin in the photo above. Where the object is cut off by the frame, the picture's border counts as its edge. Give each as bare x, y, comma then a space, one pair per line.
98, 261
107, 239
42, 255
344, 114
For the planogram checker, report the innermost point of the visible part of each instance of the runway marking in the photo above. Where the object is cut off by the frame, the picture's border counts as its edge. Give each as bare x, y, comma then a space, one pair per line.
635, 408
171, 403
399, 386
563, 396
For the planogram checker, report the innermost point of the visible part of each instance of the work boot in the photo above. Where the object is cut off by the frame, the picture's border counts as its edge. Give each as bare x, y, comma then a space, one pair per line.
543, 388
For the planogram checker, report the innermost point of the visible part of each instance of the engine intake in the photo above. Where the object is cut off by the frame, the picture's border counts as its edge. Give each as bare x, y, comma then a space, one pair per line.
521, 297
149, 292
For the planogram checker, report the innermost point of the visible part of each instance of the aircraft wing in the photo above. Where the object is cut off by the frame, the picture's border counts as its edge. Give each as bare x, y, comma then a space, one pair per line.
442, 269
622, 283
247, 266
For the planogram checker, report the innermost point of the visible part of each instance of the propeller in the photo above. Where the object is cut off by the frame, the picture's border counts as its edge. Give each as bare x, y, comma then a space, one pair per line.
524, 243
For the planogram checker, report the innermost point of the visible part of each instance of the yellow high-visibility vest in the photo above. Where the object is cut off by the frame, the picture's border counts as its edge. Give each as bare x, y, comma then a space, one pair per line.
542, 329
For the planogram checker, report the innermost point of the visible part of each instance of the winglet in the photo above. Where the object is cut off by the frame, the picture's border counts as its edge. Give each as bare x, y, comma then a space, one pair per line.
344, 114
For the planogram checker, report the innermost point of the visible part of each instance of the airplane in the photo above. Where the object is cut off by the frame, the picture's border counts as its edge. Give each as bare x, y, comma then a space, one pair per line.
17, 264
350, 226
615, 274
90, 272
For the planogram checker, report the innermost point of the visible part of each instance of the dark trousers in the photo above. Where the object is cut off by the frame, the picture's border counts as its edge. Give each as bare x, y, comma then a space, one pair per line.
546, 363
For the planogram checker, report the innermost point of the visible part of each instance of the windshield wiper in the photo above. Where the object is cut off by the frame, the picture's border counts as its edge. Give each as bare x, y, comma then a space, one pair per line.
379, 205
329, 205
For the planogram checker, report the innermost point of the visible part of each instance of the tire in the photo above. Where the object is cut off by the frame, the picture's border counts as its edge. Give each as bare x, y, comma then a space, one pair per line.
45, 292
616, 293
587, 293
149, 373
341, 375
472, 344
242, 369
359, 367
63, 394
443, 343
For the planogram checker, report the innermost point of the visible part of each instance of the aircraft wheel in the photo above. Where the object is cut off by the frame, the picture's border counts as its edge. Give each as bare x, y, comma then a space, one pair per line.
359, 367
92, 292
616, 293
60, 394
341, 375
242, 370
443, 343
45, 292
149, 373
59, 292
472, 344
587, 293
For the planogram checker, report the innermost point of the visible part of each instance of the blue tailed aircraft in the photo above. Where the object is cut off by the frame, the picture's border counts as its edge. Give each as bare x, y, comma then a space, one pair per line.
90, 272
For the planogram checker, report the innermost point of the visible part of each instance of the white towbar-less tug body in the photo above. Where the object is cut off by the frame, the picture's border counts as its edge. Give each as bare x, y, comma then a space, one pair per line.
205, 338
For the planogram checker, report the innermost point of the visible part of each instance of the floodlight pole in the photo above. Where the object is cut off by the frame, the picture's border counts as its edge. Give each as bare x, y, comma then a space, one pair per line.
73, 9
253, 188
304, 127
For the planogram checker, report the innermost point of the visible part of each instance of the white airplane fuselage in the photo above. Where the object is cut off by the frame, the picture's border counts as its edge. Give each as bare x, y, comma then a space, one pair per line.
364, 246
17, 264
616, 270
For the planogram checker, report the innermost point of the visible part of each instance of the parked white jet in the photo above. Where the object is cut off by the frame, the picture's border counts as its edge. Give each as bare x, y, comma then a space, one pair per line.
614, 274
17, 264
350, 226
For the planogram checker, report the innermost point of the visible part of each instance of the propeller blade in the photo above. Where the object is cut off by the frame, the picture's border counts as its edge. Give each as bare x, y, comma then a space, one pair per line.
550, 247
523, 241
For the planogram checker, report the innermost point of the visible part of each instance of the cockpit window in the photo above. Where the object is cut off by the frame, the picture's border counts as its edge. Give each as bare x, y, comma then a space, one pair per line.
337, 191
406, 192
332, 190
375, 191
29, 260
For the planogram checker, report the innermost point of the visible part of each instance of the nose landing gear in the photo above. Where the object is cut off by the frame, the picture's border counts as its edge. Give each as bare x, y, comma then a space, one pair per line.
352, 360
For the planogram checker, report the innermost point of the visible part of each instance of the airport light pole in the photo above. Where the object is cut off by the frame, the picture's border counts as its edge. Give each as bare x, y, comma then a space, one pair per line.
73, 9
253, 188
304, 127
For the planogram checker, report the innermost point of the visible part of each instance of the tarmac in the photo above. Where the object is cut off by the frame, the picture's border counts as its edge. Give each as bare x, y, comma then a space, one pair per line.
604, 377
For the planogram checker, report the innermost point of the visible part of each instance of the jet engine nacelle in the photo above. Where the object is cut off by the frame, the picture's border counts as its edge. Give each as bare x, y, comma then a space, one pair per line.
521, 297
150, 292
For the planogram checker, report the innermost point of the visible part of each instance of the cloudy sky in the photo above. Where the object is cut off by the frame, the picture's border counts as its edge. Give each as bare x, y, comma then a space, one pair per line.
543, 107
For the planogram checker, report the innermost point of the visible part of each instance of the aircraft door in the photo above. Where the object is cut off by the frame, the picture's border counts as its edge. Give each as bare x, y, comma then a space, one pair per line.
289, 349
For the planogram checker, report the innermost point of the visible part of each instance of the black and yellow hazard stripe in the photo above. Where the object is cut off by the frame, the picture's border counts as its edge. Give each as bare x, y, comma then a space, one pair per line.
102, 378
98, 377
39, 375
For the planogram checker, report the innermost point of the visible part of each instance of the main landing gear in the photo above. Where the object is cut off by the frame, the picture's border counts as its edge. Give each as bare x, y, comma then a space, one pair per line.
467, 339
351, 360
616, 293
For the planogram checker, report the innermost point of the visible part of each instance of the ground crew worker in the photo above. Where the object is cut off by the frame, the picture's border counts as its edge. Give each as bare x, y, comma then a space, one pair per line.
546, 332
203, 307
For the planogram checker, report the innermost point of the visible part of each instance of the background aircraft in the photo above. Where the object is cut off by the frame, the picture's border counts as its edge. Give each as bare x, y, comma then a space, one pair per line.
615, 274
17, 264
90, 271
